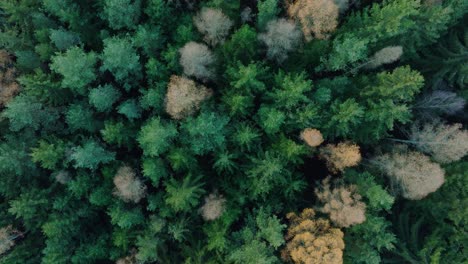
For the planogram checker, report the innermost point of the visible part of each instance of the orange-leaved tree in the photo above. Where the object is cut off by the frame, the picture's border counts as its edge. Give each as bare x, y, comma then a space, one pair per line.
312, 137
340, 156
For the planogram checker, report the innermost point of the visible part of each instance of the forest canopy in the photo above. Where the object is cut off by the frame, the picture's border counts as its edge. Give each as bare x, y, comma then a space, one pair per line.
239, 132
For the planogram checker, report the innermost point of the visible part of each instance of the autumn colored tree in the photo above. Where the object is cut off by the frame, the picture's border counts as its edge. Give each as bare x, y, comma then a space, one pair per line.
439, 102
197, 60
312, 137
131, 259
9, 87
342, 203
183, 131
412, 174
213, 24
281, 37
312, 240
384, 56
444, 143
184, 97
62, 177
213, 207
7, 238
340, 156
127, 186
318, 18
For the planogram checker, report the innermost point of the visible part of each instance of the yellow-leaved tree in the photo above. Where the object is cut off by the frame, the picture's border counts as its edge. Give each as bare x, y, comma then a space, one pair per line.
312, 240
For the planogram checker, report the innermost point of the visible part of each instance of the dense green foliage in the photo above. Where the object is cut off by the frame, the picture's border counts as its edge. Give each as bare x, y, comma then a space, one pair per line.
95, 168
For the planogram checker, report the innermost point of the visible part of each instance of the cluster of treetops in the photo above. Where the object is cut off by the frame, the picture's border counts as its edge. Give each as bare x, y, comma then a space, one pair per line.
244, 132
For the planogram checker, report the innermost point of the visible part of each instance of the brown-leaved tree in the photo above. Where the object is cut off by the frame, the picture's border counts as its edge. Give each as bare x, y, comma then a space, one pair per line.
184, 97
342, 203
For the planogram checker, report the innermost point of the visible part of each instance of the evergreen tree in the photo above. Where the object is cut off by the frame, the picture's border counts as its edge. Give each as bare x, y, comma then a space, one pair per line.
90, 155
155, 137
121, 59
130, 109
64, 39
346, 117
110, 153
25, 112
374, 24
118, 133
185, 194
77, 68
80, 117
122, 13
400, 85
262, 234
365, 242
48, 154
103, 97
267, 11
242, 46
206, 132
